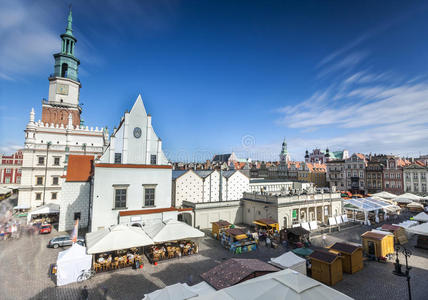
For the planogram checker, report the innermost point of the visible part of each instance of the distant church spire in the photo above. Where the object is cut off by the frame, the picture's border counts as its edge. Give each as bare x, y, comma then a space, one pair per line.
283, 156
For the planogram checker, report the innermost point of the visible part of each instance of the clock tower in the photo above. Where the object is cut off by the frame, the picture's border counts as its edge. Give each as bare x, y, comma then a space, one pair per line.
64, 84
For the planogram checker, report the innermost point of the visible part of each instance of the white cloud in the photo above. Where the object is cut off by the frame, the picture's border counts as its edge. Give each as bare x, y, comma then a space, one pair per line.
9, 149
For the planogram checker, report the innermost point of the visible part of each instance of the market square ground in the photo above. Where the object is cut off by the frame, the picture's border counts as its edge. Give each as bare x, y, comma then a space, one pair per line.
25, 266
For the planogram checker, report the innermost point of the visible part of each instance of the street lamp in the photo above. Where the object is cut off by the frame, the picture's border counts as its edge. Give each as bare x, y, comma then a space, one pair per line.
46, 170
397, 270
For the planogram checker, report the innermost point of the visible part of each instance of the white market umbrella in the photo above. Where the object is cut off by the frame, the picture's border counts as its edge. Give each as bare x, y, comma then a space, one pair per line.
116, 238
421, 217
172, 230
176, 291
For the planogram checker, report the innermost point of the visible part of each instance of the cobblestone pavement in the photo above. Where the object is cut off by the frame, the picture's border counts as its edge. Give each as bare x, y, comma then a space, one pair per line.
25, 266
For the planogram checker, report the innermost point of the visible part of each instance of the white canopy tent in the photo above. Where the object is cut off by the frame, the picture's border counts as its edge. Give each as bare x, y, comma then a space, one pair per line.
71, 263
286, 284
407, 198
407, 224
415, 205
116, 237
367, 205
5, 191
180, 291
421, 229
421, 217
385, 195
289, 260
50, 208
172, 230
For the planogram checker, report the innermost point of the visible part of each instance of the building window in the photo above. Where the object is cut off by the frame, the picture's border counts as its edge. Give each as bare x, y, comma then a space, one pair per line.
54, 196
361, 174
416, 187
149, 197
424, 187
120, 198
153, 159
415, 175
56, 161
55, 180
294, 214
38, 196
8, 170
39, 180
76, 216
41, 160
118, 158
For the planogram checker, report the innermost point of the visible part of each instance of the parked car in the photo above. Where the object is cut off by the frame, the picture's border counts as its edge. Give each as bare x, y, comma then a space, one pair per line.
64, 240
46, 228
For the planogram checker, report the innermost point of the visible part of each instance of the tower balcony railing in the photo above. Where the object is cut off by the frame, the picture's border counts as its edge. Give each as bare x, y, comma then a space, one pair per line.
69, 77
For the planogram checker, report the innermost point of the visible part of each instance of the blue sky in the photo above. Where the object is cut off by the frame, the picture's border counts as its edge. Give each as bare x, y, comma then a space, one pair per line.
230, 75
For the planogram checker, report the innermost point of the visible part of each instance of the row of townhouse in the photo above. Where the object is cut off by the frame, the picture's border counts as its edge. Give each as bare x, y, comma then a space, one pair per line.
373, 174
11, 169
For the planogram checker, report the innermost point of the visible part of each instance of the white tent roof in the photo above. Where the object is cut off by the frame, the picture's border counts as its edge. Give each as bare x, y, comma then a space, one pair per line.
74, 252
176, 291
172, 230
421, 229
287, 260
50, 208
407, 198
180, 291
385, 195
368, 204
286, 284
407, 224
421, 217
116, 238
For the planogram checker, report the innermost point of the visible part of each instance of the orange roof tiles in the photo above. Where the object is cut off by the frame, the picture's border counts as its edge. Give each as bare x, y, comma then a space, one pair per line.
79, 168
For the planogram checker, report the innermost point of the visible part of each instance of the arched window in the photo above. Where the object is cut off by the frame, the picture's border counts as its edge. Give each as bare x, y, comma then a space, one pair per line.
64, 70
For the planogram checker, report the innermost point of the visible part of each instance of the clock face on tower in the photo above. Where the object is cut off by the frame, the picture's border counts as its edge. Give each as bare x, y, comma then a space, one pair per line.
137, 132
62, 89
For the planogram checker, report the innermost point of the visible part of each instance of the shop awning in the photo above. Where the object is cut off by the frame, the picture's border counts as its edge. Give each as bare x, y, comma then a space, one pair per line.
116, 238
172, 230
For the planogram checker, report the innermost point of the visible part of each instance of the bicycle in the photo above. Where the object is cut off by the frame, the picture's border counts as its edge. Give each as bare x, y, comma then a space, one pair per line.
85, 275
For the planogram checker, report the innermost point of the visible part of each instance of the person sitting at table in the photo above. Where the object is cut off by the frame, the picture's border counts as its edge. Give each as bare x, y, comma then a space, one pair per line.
101, 259
109, 259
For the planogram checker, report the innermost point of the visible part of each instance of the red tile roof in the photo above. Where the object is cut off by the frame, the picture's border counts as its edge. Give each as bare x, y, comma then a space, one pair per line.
79, 168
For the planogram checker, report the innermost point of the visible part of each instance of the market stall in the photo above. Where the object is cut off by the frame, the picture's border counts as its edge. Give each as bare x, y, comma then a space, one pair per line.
377, 244
48, 213
297, 235
326, 267
406, 198
422, 232
367, 210
289, 260
352, 256
267, 224
415, 207
180, 291
385, 195
70, 264
172, 239
218, 227
117, 247
237, 241
398, 232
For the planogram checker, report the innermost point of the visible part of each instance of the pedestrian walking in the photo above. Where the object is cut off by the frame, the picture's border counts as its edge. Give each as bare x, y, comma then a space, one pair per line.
85, 293
324, 242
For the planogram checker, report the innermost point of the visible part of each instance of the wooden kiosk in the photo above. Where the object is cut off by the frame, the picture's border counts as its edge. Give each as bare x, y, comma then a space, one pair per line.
326, 267
219, 226
352, 256
377, 244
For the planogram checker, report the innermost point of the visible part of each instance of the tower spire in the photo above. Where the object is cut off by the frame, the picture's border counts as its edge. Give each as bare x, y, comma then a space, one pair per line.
69, 29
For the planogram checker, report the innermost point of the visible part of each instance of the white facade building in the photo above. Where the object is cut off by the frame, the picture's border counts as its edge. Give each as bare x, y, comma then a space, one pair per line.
204, 186
277, 186
415, 177
132, 179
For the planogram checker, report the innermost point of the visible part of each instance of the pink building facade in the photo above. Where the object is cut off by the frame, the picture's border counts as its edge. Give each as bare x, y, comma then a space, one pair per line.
10, 168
